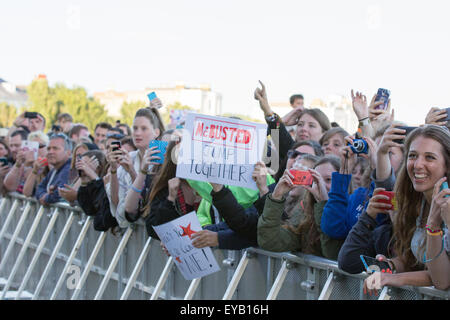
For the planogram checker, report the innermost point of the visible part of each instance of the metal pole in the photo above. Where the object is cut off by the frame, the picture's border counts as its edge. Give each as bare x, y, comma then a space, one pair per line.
22, 252
136, 270
38, 252
278, 282
384, 295
71, 257
236, 277
327, 288
162, 279
113, 263
50, 262
15, 235
89, 264
9, 217
192, 288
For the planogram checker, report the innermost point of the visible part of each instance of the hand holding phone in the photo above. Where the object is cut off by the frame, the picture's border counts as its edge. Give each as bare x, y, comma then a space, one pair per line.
3, 161
383, 96
161, 146
373, 265
408, 131
444, 185
116, 145
392, 200
302, 178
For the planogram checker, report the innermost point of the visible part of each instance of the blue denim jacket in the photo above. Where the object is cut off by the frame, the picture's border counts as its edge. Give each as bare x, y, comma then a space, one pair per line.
61, 178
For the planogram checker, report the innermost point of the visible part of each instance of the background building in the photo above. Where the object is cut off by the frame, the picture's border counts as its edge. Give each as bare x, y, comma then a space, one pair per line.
13, 94
200, 97
338, 108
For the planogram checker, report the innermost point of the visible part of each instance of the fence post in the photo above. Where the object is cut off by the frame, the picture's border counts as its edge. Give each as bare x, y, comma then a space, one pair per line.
136, 270
98, 245
9, 216
162, 279
237, 276
74, 252
19, 226
38, 252
113, 263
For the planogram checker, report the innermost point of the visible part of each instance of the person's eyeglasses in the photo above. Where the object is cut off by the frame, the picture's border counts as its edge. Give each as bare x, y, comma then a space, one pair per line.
117, 136
294, 154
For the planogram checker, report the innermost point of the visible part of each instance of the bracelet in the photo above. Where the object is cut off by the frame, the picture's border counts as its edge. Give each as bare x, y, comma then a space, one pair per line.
113, 171
34, 172
363, 119
144, 172
440, 252
431, 229
135, 189
439, 233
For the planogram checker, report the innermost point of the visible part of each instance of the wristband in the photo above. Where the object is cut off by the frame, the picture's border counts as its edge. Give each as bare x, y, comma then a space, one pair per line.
438, 233
135, 189
113, 171
34, 172
431, 229
364, 121
144, 172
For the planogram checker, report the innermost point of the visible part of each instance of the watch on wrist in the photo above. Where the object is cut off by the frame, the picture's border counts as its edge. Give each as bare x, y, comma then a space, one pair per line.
364, 122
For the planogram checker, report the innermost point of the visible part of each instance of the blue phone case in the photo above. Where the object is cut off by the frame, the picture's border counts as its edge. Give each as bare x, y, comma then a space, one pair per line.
162, 147
151, 95
444, 185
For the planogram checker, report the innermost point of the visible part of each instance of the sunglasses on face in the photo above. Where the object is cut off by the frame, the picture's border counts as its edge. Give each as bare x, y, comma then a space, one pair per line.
294, 154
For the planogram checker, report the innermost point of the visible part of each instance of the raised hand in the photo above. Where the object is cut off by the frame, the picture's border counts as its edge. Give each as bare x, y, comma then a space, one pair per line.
283, 186
359, 103
374, 207
318, 188
261, 96
149, 155
347, 156
173, 184
259, 175
436, 116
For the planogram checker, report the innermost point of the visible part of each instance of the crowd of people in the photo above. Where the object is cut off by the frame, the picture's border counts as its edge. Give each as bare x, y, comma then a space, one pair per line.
346, 212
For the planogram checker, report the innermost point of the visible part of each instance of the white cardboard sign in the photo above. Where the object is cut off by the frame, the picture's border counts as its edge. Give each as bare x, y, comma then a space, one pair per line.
176, 237
220, 150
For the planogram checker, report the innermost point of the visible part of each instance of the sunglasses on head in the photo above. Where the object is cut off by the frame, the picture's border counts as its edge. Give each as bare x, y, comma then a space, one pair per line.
294, 154
117, 136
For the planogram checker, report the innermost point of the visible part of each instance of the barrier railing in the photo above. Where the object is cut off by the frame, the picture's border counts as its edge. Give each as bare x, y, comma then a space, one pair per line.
44, 254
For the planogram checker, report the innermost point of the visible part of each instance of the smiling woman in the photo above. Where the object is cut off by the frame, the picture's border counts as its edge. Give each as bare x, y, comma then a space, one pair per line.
420, 224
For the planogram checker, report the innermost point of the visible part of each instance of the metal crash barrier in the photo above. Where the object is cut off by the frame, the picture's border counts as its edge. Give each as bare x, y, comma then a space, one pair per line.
55, 253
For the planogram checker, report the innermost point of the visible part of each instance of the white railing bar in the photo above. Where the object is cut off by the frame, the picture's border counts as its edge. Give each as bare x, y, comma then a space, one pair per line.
22, 252
9, 217
87, 269
327, 288
50, 262
192, 288
15, 235
273, 293
136, 270
74, 252
113, 263
38, 252
162, 279
236, 277
384, 294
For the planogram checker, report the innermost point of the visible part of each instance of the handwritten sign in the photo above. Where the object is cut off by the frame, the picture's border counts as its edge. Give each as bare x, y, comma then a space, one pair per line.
176, 236
220, 150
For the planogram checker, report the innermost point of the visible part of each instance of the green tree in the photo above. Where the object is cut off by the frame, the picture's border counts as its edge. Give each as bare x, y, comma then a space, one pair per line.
8, 114
128, 110
50, 102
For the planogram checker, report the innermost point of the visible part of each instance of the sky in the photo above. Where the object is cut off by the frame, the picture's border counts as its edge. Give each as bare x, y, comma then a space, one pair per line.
317, 48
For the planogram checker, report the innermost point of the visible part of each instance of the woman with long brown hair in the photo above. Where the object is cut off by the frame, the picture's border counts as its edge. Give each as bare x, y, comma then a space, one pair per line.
419, 225
307, 236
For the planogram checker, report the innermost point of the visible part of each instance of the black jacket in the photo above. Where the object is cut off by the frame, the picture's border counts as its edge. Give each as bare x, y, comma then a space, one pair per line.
94, 202
243, 222
365, 238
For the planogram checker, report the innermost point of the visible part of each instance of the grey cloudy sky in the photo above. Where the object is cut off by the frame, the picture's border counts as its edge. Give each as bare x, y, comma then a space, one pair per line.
312, 47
